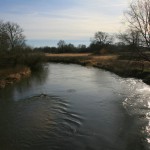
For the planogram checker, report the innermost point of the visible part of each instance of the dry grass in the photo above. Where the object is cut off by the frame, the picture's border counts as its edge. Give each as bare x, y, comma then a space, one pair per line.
105, 57
111, 62
68, 55
87, 58
12, 75
103, 60
92, 57
8, 71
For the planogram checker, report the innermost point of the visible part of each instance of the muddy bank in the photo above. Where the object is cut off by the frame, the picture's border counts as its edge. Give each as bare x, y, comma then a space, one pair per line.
11, 75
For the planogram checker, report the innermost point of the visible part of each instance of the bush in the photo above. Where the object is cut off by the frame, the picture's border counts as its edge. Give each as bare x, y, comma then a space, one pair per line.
21, 57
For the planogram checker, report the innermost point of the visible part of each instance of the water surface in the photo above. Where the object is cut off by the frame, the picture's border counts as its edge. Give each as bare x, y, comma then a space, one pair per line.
70, 107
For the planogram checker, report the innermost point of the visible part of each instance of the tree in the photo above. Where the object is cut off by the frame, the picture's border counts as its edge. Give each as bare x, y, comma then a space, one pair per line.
61, 44
82, 48
102, 38
70, 48
3, 37
138, 18
130, 37
15, 37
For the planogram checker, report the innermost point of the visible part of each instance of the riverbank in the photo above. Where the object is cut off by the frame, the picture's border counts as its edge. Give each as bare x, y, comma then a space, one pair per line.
11, 75
15, 65
111, 62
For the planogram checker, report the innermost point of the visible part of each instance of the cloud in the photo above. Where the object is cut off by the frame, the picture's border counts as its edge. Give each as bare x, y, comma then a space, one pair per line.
77, 20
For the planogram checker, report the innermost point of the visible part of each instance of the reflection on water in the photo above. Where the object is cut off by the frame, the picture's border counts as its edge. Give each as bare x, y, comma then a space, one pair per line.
16, 91
72, 107
137, 104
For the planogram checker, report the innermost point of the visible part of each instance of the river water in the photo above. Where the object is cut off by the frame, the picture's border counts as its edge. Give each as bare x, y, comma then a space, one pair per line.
70, 107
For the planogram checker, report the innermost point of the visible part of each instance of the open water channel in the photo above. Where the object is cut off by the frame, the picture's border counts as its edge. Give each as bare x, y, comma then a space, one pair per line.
70, 107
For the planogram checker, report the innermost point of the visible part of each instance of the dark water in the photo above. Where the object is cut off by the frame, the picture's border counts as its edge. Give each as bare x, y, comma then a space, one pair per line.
69, 107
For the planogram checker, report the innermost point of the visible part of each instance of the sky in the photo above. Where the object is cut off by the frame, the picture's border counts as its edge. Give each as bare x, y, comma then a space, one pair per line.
47, 21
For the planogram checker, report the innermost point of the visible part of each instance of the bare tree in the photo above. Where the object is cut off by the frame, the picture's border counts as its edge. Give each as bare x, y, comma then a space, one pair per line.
100, 41
102, 38
61, 44
3, 37
138, 17
82, 46
14, 34
130, 37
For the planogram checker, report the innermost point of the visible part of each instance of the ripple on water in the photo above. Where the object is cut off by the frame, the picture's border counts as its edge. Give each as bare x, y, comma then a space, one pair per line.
40, 120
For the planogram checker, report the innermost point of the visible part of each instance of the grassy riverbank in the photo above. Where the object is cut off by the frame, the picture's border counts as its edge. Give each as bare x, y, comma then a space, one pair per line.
16, 65
9, 76
112, 62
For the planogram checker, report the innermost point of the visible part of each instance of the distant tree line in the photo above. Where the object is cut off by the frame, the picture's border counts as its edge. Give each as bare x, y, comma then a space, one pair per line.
12, 38
101, 42
63, 47
135, 39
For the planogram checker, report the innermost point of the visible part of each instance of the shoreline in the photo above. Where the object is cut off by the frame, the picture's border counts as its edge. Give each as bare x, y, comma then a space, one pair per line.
112, 63
10, 76
109, 62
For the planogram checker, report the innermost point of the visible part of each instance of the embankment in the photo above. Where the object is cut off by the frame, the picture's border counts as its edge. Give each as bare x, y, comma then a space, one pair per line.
12, 75
113, 63
15, 65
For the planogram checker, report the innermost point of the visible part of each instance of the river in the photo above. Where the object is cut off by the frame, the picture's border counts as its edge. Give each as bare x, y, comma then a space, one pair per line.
71, 107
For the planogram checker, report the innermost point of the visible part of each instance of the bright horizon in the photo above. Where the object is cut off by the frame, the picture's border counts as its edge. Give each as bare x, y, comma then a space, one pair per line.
46, 21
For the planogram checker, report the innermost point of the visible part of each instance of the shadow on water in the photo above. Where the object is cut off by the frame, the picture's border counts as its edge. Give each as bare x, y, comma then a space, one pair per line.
17, 90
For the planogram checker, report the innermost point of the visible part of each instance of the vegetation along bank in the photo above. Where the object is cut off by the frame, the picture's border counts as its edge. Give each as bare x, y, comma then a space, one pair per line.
116, 63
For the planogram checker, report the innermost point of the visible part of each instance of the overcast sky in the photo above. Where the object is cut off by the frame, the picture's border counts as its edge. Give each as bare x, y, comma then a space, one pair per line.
64, 19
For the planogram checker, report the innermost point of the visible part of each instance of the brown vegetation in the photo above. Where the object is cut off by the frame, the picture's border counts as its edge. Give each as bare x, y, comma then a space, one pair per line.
68, 54
11, 75
123, 67
18, 64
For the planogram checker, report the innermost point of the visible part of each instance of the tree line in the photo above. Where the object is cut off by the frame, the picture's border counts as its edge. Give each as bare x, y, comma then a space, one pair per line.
136, 37
100, 41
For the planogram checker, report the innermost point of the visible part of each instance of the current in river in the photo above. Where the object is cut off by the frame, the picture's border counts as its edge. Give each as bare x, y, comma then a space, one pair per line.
71, 107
